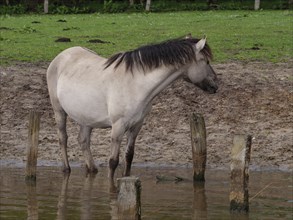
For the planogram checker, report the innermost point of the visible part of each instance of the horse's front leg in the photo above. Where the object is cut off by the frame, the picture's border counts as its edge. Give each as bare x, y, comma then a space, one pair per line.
116, 138
131, 137
84, 139
60, 117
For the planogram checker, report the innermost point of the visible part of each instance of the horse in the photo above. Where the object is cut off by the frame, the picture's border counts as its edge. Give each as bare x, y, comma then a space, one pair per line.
117, 92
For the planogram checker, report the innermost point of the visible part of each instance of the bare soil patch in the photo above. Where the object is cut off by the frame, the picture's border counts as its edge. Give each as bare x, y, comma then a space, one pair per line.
254, 98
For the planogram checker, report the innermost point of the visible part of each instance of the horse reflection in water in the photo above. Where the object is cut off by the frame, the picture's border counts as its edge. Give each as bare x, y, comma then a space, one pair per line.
85, 200
118, 92
62, 201
89, 202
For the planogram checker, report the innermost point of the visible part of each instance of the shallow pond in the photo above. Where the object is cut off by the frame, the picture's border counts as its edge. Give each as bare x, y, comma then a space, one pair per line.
87, 197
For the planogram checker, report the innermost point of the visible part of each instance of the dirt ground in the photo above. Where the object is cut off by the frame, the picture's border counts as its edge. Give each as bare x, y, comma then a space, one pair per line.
254, 98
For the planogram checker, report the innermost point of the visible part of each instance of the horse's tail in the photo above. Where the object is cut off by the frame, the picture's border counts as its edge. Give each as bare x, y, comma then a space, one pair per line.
52, 79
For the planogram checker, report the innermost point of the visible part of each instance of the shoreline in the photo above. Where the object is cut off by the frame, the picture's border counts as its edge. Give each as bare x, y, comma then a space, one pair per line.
150, 165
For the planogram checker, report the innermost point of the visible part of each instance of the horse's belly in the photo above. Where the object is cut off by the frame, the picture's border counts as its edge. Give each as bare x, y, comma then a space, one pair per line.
85, 109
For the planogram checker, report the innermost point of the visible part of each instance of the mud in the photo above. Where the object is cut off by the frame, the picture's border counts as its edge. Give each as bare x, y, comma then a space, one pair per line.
254, 98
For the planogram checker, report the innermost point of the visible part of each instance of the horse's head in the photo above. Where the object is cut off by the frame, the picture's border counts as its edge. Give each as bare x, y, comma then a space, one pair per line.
200, 73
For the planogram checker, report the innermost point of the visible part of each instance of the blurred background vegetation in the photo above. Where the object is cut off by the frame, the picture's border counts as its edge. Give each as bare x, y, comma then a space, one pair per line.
118, 6
235, 30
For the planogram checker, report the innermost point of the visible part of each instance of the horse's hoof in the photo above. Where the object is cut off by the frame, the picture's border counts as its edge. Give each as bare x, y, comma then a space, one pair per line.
126, 174
91, 170
66, 170
113, 189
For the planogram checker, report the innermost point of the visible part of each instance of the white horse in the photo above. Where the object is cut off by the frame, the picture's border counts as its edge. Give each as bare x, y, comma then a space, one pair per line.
118, 92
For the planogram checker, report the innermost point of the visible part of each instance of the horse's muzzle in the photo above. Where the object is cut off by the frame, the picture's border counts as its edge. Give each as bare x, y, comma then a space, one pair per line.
212, 89
208, 87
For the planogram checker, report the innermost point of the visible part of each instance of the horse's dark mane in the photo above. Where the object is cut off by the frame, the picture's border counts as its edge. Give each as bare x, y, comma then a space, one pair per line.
176, 52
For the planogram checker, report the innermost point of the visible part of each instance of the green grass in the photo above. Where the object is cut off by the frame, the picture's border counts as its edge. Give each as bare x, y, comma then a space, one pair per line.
232, 35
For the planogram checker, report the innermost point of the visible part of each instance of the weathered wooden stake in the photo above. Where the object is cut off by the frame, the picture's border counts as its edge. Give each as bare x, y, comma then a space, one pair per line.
128, 201
148, 5
32, 147
256, 4
240, 157
199, 146
46, 6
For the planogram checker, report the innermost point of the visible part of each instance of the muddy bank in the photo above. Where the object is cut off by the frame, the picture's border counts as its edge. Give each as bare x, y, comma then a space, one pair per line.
254, 98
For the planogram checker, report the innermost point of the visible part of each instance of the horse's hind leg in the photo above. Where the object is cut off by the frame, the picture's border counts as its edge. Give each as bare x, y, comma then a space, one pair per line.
131, 137
84, 139
60, 117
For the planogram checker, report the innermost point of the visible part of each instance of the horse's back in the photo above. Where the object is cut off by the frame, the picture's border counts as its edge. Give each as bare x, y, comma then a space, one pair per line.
71, 57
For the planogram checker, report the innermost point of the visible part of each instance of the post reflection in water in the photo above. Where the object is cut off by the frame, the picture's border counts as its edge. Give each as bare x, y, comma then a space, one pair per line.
199, 201
62, 201
32, 201
239, 216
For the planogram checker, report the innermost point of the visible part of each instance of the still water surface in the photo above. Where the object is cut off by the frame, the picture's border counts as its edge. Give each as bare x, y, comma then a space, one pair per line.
87, 197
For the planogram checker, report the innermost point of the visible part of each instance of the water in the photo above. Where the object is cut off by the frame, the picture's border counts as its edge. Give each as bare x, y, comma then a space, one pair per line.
87, 197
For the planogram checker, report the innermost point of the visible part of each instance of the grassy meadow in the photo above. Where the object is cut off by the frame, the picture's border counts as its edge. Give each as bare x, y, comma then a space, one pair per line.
233, 35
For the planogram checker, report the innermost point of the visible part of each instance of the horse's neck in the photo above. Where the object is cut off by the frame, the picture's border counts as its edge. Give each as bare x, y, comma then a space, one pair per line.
159, 79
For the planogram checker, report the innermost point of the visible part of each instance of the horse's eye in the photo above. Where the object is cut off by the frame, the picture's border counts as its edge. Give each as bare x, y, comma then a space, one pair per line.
208, 62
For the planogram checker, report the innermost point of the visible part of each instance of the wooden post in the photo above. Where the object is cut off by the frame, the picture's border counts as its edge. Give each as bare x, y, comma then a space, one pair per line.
240, 157
148, 5
46, 6
198, 143
128, 201
256, 4
32, 147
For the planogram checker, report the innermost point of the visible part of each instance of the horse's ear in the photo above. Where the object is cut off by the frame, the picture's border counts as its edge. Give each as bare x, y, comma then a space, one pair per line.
188, 36
200, 44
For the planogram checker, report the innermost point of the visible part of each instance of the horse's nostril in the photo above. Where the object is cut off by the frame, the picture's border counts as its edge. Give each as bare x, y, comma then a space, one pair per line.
214, 89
